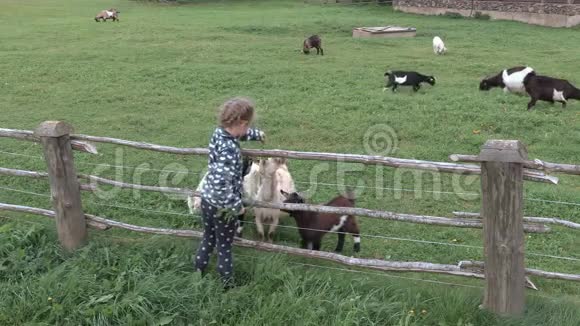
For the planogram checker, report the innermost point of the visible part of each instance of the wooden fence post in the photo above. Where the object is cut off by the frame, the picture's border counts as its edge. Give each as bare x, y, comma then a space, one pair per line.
503, 231
64, 185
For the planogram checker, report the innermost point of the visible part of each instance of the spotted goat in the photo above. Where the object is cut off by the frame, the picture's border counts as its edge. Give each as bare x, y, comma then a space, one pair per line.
511, 80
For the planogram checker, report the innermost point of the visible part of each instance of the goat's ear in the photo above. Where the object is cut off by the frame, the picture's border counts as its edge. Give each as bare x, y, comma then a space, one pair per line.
285, 194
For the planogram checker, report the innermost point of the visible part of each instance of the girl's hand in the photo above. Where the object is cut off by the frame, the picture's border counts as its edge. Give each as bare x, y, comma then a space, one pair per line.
242, 211
262, 136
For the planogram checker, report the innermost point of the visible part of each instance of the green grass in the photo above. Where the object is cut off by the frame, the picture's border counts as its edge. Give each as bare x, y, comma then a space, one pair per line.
159, 75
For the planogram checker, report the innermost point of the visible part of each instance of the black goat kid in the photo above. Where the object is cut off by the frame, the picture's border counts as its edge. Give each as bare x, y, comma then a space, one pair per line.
407, 78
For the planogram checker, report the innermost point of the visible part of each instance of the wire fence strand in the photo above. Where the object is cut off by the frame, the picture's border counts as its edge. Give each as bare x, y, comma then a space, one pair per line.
325, 184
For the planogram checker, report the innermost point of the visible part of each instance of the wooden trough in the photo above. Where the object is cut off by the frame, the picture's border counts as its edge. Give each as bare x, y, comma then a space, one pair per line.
384, 31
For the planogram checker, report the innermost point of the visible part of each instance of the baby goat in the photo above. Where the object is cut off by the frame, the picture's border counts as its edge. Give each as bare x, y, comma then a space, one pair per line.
438, 45
313, 226
313, 41
511, 80
549, 89
108, 14
407, 78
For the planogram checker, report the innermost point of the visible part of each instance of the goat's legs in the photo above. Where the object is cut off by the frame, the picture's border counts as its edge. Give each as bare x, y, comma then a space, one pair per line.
532, 103
240, 227
321, 51
356, 239
340, 243
260, 227
272, 229
316, 245
394, 89
416, 87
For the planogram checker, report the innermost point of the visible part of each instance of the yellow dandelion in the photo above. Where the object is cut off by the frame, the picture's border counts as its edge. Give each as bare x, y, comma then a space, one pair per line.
423, 311
49, 298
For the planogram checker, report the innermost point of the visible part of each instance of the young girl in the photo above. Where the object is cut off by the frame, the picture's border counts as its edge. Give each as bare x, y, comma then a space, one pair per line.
221, 195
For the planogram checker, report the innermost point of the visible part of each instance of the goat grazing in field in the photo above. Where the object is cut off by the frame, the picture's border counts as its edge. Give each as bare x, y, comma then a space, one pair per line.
313, 41
274, 178
250, 186
407, 78
549, 89
511, 80
108, 14
438, 45
313, 226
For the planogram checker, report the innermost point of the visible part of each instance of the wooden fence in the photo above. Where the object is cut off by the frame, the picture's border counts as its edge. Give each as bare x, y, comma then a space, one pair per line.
503, 165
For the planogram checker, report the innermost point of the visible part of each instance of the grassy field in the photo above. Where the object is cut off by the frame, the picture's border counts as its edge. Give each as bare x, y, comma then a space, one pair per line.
158, 76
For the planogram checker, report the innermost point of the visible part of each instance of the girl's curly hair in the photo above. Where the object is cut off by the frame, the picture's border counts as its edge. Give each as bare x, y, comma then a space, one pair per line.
235, 110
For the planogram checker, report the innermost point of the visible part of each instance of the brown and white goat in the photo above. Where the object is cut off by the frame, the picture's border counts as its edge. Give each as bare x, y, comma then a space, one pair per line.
107, 14
274, 178
313, 41
312, 226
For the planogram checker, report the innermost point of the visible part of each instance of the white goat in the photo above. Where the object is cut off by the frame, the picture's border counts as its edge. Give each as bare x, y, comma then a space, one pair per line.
438, 46
250, 185
274, 177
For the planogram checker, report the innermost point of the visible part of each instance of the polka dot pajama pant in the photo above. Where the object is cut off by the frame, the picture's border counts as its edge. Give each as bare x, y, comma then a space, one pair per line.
217, 231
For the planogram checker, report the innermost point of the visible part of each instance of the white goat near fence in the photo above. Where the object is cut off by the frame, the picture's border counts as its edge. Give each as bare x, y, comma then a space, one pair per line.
274, 177
250, 185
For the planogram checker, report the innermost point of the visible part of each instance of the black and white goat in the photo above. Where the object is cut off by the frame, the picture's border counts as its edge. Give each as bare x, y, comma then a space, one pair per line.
313, 41
407, 78
549, 89
511, 80
312, 226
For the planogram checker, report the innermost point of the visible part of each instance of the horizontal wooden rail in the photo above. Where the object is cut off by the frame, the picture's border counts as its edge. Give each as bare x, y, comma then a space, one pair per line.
535, 164
23, 173
384, 215
28, 135
81, 142
458, 270
467, 264
47, 213
346, 158
543, 220
420, 219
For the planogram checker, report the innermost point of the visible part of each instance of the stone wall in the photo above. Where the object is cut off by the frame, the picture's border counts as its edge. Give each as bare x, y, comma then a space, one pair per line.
556, 13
